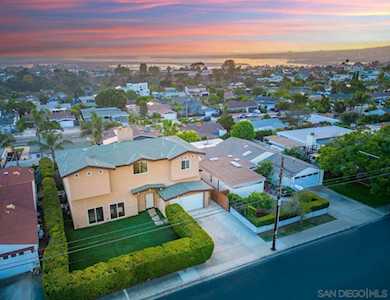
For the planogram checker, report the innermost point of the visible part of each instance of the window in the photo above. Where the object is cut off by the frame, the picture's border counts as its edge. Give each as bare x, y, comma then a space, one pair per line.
76, 175
21, 253
100, 172
13, 254
117, 210
140, 167
185, 164
95, 215
89, 173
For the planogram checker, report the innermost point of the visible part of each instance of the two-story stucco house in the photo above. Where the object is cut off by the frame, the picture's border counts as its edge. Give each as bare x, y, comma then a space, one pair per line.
107, 182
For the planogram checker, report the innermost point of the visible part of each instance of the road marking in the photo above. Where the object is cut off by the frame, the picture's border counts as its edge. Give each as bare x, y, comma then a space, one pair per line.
126, 294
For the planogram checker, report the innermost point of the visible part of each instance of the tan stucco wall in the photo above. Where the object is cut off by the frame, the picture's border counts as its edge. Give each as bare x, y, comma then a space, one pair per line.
114, 186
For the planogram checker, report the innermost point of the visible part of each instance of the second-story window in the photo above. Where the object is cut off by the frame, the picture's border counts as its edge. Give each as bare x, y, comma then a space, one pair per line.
185, 164
140, 167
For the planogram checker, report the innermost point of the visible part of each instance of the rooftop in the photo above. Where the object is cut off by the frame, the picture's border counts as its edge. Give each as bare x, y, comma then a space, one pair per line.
120, 154
233, 172
18, 219
327, 132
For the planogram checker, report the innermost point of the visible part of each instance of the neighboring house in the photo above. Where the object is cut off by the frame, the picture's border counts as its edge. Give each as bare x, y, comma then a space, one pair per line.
297, 173
169, 92
209, 130
142, 88
55, 106
207, 143
232, 175
8, 122
85, 100
190, 106
64, 118
107, 182
18, 222
317, 119
164, 110
378, 112
241, 106
314, 137
268, 124
106, 113
381, 98
267, 103
281, 143
128, 133
196, 91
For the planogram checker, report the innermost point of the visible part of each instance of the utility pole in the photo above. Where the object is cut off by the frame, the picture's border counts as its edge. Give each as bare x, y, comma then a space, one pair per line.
277, 209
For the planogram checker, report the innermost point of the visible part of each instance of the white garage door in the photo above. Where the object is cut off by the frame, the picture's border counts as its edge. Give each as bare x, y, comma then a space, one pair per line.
190, 202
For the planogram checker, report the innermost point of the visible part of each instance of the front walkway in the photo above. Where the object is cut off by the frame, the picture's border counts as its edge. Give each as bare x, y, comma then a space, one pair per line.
235, 245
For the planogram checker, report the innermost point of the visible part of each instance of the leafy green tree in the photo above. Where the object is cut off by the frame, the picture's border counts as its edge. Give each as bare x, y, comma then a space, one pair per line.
143, 68
189, 136
297, 153
258, 91
343, 157
226, 121
111, 98
349, 118
265, 168
142, 103
339, 107
243, 130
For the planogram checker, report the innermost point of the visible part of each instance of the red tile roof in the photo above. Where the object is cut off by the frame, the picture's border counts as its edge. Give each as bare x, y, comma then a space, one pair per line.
18, 218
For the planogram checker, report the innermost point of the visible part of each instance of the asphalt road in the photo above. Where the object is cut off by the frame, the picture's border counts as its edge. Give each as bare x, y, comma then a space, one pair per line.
343, 266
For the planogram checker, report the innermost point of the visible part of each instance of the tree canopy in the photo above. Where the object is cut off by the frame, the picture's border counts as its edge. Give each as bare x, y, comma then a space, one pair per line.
111, 98
189, 136
243, 130
344, 157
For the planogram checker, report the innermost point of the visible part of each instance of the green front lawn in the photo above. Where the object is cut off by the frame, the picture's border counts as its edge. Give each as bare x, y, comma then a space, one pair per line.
361, 192
297, 227
101, 239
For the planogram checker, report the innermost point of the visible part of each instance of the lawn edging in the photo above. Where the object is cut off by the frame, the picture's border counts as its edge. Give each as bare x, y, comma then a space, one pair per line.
194, 247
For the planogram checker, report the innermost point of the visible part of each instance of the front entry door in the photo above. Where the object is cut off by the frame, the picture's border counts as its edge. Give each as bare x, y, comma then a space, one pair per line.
149, 200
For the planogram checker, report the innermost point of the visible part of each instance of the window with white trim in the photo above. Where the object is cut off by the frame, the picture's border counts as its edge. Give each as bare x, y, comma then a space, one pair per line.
95, 215
117, 210
140, 167
185, 164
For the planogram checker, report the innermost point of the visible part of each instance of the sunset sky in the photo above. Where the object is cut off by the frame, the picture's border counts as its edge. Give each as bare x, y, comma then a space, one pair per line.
108, 28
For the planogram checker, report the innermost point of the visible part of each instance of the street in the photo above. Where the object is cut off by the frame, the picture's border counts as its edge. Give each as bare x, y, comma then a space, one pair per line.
332, 268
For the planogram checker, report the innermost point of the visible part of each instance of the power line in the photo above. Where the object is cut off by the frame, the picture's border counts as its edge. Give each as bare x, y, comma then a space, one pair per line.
355, 175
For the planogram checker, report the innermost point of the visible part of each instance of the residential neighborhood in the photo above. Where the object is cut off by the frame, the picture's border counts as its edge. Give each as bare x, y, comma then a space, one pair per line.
146, 182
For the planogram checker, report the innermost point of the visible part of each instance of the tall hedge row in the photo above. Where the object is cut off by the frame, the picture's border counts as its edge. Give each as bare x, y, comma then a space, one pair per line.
194, 247
46, 167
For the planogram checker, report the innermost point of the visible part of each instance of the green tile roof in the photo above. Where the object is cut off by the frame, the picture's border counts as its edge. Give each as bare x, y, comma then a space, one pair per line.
182, 188
147, 187
121, 154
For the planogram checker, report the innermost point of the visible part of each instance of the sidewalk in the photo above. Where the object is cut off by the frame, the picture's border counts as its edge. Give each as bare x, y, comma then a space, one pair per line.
235, 245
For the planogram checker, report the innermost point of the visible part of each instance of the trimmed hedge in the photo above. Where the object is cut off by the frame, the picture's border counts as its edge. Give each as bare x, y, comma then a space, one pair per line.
311, 202
46, 167
194, 247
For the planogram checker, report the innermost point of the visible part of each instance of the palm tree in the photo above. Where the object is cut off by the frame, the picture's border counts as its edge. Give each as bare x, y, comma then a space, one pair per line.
169, 128
53, 141
6, 141
94, 129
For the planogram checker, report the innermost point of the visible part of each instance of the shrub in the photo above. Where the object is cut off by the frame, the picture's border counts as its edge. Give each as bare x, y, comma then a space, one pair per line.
46, 167
194, 247
258, 207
